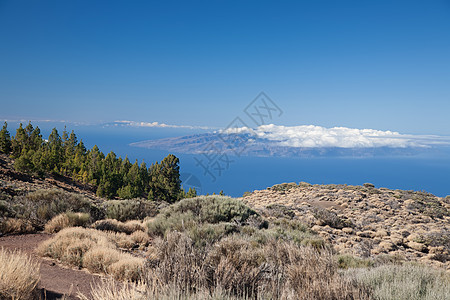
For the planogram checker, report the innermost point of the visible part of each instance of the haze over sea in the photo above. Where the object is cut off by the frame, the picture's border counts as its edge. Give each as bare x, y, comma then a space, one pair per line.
427, 172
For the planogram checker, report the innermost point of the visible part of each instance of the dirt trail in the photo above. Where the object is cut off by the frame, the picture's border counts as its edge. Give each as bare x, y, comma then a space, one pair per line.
56, 280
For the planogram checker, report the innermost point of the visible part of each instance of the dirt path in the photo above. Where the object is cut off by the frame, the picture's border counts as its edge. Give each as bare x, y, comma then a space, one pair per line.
56, 280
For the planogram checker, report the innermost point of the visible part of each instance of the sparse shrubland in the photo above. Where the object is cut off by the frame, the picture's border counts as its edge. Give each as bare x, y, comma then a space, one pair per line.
92, 249
240, 266
55, 209
406, 281
33, 210
217, 247
19, 276
190, 213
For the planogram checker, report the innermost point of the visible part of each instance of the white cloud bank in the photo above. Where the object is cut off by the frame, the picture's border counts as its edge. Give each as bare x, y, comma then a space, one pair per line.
310, 136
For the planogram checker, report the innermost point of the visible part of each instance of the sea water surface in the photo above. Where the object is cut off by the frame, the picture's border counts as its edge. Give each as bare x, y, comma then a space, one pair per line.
429, 173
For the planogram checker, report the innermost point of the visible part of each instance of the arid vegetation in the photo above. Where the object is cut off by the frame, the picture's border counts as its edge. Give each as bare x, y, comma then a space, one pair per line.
282, 243
96, 251
364, 221
19, 276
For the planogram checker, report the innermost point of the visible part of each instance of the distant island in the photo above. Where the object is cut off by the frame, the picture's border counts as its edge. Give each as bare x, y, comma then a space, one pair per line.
246, 144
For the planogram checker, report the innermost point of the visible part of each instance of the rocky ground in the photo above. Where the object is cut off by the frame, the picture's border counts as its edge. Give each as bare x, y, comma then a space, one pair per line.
365, 221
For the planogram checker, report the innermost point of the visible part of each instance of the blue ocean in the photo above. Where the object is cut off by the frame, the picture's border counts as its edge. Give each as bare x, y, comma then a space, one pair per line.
430, 173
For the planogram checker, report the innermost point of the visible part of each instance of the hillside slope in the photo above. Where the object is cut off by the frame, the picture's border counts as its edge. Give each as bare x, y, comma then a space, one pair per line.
13, 183
366, 221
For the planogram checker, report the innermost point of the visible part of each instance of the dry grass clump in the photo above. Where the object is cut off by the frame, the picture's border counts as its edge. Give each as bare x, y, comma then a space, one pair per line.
67, 220
122, 266
407, 281
16, 226
98, 259
121, 240
70, 244
109, 289
19, 276
140, 238
57, 223
127, 268
113, 225
327, 217
92, 249
133, 226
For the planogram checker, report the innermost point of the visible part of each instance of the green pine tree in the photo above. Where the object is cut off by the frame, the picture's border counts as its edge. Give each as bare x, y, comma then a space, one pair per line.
165, 183
5, 140
19, 141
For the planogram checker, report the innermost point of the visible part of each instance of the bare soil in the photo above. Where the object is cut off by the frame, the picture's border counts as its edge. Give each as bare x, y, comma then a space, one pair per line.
56, 280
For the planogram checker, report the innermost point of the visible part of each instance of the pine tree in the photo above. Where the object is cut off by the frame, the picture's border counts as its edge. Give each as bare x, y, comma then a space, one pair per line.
19, 141
165, 180
144, 176
5, 140
55, 151
125, 168
35, 139
112, 175
134, 179
24, 162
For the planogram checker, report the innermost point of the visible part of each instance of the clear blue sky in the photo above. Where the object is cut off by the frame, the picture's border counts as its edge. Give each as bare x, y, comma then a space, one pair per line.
364, 64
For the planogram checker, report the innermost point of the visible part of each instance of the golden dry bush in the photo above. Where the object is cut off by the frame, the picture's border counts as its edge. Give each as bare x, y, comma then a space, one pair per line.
133, 226
127, 268
113, 225
19, 276
70, 244
109, 225
98, 259
66, 220
140, 238
94, 250
16, 226
121, 240
57, 223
